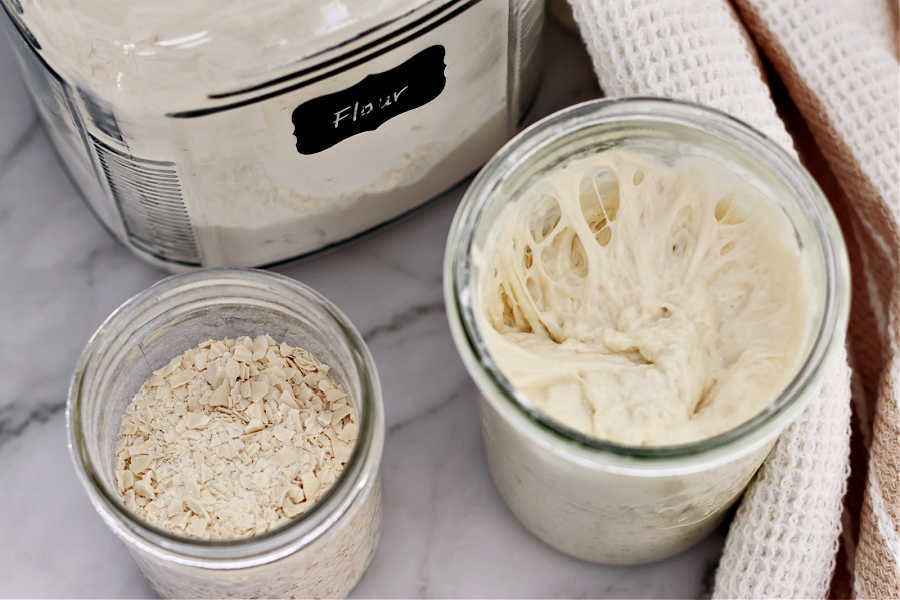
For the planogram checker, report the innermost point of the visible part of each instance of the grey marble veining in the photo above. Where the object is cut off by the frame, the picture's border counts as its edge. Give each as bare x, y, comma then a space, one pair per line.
446, 530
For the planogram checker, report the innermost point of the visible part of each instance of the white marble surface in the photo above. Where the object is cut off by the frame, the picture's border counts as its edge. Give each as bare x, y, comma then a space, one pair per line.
446, 532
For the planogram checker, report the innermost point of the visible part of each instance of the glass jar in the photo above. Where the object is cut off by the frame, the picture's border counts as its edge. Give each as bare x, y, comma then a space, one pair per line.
601, 501
242, 134
322, 553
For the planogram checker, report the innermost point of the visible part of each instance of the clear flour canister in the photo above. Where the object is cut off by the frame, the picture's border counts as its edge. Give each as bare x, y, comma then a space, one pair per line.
238, 134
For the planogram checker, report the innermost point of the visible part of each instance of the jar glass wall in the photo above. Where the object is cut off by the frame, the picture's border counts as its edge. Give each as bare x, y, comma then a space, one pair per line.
601, 501
322, 553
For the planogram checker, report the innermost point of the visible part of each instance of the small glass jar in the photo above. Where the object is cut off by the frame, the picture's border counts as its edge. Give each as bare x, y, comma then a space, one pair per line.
597, 500
322, 553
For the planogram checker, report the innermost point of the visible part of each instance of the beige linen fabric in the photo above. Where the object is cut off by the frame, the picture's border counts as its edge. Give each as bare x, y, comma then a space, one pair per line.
794, 535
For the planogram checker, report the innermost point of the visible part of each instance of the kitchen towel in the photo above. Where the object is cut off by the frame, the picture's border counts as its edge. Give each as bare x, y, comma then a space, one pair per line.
822, 516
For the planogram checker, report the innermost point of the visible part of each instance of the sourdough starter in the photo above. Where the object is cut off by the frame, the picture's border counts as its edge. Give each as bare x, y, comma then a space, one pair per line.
642, 302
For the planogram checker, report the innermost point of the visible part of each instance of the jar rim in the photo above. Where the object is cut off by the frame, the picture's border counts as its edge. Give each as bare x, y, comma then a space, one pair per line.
358, 473
619, 113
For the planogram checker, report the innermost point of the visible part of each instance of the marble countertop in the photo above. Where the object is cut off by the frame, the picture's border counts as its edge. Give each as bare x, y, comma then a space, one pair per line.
447, 533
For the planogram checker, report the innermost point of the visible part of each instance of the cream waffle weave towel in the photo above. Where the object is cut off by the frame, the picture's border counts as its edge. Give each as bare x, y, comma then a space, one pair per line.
838, 61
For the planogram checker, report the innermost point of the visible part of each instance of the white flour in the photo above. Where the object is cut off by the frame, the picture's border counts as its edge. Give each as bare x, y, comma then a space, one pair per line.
168, 55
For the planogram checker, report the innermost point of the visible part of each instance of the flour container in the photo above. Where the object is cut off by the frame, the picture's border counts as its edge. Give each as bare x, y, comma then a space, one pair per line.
237, 134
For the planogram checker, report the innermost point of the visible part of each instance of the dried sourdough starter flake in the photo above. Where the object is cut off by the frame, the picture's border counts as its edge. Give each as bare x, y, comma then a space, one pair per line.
232, 438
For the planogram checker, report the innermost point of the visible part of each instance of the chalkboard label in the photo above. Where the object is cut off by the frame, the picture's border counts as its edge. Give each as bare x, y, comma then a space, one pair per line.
322, 122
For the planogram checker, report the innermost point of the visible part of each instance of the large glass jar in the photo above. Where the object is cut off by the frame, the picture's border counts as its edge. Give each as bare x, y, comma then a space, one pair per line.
238, 134
320, 554
597, 500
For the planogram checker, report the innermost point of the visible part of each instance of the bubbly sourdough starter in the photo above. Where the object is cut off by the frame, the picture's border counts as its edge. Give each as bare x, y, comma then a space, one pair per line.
642, 302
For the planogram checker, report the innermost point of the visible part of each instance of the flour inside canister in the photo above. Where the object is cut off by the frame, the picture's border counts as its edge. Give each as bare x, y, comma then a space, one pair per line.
240, 134
233, 438
644, 302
